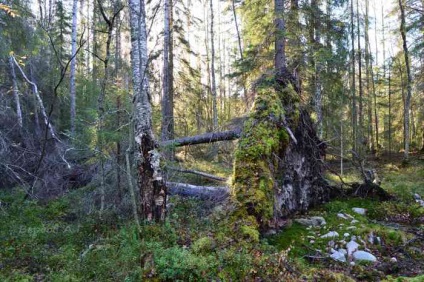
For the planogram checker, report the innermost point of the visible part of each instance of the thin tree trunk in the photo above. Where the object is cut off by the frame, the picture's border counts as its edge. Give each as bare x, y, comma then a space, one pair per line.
369, 78
168, 95
72, 87
246, 99
390, 110
16, 93
361, 90
213, 81
409, 80
354, 113
280, 40
147, 157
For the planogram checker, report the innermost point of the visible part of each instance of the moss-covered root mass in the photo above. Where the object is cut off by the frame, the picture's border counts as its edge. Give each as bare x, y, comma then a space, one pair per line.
256, 158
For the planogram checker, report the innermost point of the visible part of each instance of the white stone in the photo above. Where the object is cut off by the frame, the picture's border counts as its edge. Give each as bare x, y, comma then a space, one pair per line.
351, 227
393, 259
343, 251
360, 211
312, 241
365, 256
330, 234
346, 235
352, 263
352, 246
417, 196
338, 256
354, 221
340, 215
312, 221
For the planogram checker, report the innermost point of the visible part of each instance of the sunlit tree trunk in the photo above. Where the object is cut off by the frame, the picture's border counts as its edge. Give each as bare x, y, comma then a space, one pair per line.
147, 157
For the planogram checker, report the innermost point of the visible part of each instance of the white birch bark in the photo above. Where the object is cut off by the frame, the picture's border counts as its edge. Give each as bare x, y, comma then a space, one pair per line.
147, 157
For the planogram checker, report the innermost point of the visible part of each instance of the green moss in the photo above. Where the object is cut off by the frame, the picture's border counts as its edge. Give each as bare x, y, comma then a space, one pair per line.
203, 245
255, 159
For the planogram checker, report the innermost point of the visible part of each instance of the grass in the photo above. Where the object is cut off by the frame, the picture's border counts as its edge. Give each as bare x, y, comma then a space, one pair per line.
57, 241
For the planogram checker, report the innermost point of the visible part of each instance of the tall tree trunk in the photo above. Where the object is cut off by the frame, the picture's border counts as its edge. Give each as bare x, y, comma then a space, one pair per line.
409, 79
16, 93
361, 90
280, 39
369, 79
168, 80
147, 157
316, 38
390, 109
353, 87
213, 81
240, 49
72, 87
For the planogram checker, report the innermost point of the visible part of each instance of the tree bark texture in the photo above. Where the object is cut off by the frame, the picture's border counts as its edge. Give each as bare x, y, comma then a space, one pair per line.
147, 157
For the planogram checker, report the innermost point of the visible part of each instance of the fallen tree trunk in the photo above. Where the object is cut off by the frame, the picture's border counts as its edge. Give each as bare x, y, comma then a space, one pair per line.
201, 192
200, 173
203, 138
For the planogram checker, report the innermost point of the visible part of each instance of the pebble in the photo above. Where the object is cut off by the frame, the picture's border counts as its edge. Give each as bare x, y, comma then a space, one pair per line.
346, 235
312, 221
352, 246
338, 256
365, 256
341, 215
360, 211
330, 234
393, 259
351, 227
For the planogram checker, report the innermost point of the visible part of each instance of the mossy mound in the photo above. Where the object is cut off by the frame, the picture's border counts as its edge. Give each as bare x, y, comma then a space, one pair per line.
256, 158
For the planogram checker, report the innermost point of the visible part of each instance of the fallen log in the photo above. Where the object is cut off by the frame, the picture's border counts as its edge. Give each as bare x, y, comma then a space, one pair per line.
201, 192
200, 173
203, 138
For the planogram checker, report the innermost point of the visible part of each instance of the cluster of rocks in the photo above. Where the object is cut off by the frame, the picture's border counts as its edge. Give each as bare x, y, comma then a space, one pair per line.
418, 199
346, 248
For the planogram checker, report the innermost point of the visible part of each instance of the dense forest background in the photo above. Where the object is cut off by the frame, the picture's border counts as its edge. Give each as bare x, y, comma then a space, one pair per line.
70, 111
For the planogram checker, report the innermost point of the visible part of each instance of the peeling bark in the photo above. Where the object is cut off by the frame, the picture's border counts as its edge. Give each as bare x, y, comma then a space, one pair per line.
147, 157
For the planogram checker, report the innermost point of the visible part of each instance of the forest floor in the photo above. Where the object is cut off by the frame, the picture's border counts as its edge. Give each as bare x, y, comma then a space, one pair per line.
56, 241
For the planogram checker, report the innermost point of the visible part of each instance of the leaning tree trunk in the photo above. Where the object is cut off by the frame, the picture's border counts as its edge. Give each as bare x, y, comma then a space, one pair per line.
150, 182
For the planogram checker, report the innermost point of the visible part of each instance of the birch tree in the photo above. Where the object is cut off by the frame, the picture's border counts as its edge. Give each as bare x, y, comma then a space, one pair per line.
147, 157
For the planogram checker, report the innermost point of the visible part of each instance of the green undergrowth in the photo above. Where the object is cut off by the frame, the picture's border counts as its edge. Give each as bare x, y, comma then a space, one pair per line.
55, 242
